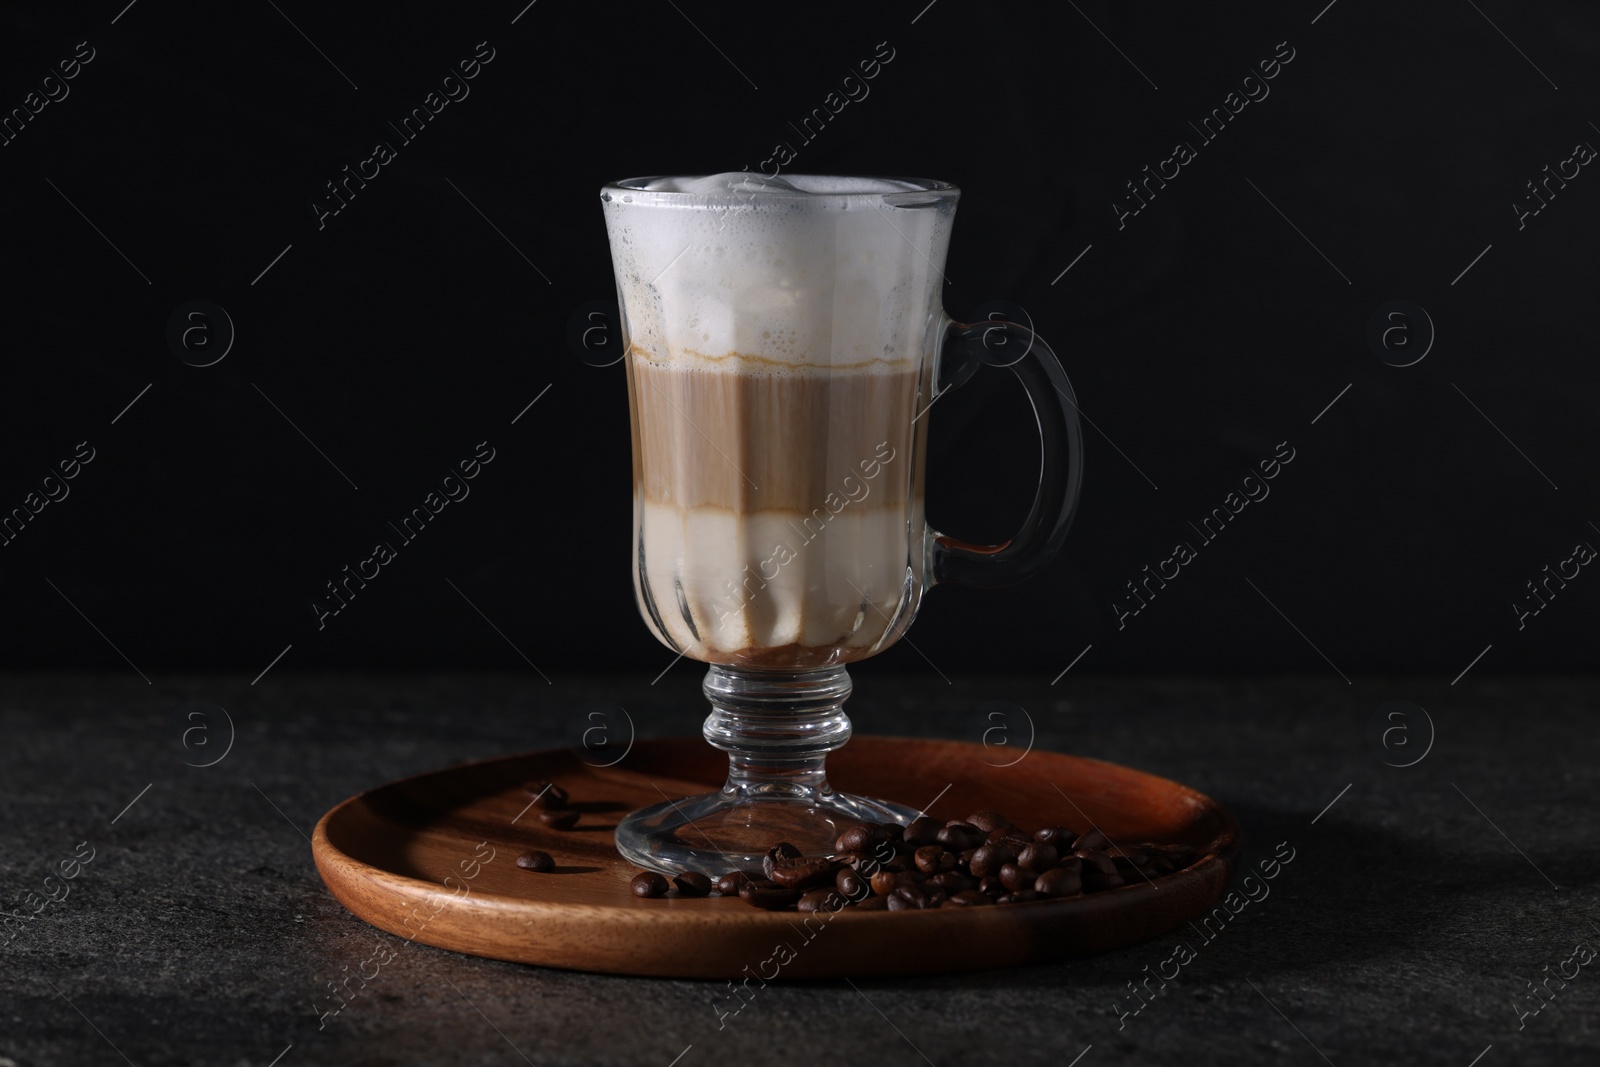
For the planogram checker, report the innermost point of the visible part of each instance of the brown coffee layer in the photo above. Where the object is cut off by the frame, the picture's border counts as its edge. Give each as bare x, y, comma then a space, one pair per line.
770, 442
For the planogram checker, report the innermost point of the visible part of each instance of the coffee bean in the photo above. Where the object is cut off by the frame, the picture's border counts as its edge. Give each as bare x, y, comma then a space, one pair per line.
931, 859
965, 899
648, 884
924, 830
988, 859
559, 819
1130, 857
1016, 842
1070, 863
769, 896
988, 821
1096, 861
1037, 857
894, 903
953, 882
802, 873
781, 851
728, 885
547, 795
873, 904
1057, 882
693, 884
851, 884
957, 836
1059, 836
884, 882
1016, 878
1021, 896
536, 861
858, 837
914, 895
854, 860
891, 832
823, 899
1092, 839
991, 886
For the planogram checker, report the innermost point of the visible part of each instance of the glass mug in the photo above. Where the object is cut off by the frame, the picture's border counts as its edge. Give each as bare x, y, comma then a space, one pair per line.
784, 342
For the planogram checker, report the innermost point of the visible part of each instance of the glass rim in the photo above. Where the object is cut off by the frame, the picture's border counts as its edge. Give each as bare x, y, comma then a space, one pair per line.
912, 187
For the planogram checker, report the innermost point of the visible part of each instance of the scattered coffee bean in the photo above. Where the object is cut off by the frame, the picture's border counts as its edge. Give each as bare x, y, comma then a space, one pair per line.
1059, 836
546, 795
991, 886
988, 859
957, 836
924, 830
913, 895
1058, 882
1021, 896
1094, 881
559, 819
931, 859
536, 861
851, 884
953, 882
884, 882
728, 885
1129, 858
988, 821
873, 904
857, 838
768, 895
648, 884
693, 884
1037, 857
1016, 878
965, 899
802, 873
1096, 861
781, 851
1092, 839
823, 899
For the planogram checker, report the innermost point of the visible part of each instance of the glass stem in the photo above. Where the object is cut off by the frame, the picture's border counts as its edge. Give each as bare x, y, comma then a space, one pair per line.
777, 728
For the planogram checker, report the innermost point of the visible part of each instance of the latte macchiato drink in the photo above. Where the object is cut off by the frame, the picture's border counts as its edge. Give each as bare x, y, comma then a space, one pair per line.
776, 372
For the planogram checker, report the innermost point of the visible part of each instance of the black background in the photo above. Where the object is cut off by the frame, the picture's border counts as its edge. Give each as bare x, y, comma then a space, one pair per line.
407, 329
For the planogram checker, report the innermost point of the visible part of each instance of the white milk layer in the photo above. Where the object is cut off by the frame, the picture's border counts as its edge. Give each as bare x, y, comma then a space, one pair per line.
725, 583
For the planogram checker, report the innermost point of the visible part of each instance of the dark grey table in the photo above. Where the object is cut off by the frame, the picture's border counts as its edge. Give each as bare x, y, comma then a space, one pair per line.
1420, 903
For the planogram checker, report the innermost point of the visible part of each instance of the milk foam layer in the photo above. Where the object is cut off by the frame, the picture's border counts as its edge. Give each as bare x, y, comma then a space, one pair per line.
795, 275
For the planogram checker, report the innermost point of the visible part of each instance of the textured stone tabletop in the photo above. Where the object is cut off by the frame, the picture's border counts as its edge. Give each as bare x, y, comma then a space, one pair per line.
1419, 903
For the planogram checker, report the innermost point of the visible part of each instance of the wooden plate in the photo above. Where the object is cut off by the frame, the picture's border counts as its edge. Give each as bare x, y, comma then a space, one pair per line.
432, 858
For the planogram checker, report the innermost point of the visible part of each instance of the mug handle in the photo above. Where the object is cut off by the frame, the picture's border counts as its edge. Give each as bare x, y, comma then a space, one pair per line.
966, 347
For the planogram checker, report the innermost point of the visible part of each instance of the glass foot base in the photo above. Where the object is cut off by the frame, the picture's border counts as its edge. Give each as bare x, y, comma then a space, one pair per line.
715, 833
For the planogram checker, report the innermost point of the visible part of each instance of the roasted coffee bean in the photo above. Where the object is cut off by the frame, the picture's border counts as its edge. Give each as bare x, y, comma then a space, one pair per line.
853, 860
991, 886
851, 884
823, 899
1057, 882
1037, 857
1021, 896
693, 884
884, 882
768, 895
728, 885
1092, 839
1070, 863
546, 795
859, 837
914, 895
964, 857
873, 904
965, 899
988, 859
924, 830
891, 832
802, 873
536, 861
1096, 861
932, 859
953, 882
957, 836
781, 851
988, 821
648, 884
1013, 842
1015, 878
559, 819
1059, 836
1094, 881
894, 903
